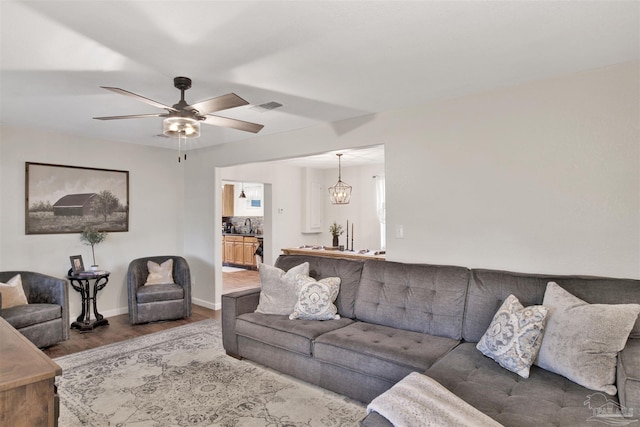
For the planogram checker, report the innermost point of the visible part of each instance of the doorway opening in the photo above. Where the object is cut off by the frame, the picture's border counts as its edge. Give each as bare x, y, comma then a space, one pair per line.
284, 204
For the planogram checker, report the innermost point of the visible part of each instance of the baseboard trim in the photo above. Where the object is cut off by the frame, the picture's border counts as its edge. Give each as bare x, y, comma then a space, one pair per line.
125, 310
114, 312
206, 304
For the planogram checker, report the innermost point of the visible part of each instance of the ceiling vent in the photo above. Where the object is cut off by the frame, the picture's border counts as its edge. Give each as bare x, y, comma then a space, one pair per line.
267, 106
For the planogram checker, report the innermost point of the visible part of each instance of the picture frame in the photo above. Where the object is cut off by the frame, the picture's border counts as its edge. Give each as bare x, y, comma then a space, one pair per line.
63, 199
77, 266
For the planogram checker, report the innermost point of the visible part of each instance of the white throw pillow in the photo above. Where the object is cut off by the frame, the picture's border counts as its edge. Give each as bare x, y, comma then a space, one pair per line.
315, 299
582, 340
278, 293
12, 292
514, 336
160, 274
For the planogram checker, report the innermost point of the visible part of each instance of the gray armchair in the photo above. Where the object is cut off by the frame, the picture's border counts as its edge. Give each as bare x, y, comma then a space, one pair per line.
45, 320
158, 302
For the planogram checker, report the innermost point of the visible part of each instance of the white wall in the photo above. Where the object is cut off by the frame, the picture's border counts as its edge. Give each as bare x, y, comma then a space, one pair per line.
541, 177
361, 211
156, 209
287, 194
242, 207
286, 189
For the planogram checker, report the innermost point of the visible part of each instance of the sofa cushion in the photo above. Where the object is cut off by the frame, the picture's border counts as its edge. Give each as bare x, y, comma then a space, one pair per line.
582, 340
489, 288
349, 272
315, 298
12, 292
278, 288
279, 331
414, 297
164, 292
381, 351
514, 337
160, 274
544, 399
32, 314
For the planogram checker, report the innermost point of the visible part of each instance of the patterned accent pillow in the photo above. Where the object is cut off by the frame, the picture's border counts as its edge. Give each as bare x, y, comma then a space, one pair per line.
160, 274
12, 292
582, 340
278, 288
514, 336
316, 298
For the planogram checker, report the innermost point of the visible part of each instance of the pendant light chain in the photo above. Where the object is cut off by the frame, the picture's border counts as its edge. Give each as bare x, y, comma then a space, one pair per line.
340, 193
182, 139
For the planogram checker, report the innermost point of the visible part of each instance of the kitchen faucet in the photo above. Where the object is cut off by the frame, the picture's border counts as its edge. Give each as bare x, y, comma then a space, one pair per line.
250, 226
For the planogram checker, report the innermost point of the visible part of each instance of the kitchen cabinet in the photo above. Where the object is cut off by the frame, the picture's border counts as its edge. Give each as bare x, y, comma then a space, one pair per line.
227, 200
250, 246
239, 250
233, 249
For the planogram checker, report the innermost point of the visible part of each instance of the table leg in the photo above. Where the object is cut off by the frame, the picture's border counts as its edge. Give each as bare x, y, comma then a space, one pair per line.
84, 323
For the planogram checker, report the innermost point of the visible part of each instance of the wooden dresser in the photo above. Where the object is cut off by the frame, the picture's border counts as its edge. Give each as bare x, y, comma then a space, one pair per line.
27, 391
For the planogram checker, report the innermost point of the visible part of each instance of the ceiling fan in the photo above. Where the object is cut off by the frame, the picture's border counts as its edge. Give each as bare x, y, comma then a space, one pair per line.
182, 119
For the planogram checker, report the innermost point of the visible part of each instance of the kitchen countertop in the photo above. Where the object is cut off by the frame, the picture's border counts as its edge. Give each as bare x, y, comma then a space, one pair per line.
259, 236
333, 253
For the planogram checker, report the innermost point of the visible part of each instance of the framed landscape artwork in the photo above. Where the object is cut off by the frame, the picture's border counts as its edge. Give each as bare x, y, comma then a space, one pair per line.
68, 199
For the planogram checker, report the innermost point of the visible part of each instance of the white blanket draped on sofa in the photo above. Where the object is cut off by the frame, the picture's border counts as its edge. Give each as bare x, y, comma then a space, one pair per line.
417, 400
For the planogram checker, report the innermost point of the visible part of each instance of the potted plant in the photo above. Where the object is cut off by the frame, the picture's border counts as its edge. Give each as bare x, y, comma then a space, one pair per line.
92, 237
336, 230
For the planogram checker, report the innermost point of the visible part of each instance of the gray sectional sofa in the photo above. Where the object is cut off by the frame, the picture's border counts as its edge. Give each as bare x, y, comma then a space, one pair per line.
399, 318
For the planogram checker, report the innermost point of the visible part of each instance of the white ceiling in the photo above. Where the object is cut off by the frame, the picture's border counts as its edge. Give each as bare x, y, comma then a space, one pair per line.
325, 61
373, 155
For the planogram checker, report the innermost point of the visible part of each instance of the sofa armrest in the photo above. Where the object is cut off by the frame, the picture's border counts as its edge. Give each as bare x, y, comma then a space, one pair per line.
628, 381
233, 305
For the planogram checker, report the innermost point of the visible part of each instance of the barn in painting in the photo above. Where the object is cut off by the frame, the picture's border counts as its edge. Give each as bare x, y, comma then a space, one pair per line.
74, 205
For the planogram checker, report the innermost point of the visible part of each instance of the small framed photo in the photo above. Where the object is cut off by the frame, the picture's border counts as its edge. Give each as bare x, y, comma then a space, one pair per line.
77, 266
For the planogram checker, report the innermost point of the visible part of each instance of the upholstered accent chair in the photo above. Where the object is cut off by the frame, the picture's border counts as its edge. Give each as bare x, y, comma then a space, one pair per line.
45, 319
164, 301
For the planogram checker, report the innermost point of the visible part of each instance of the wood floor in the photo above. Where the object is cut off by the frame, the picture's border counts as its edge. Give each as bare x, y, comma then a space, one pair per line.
119, 328
240, 280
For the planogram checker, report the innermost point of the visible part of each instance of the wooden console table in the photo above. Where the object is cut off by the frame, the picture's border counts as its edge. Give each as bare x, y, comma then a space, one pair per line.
27, 390
332, 254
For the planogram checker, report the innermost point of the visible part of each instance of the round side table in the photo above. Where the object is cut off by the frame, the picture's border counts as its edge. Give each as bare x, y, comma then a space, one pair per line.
82, 283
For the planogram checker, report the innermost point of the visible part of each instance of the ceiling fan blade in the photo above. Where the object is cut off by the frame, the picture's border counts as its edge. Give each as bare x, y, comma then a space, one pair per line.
134, 116
218, 103
233, 123
138, 97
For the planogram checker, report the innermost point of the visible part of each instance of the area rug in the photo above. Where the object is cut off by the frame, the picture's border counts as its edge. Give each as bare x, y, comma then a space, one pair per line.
182, 377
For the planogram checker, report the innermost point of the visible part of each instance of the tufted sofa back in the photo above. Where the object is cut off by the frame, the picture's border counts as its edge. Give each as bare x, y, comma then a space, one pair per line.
489, 288
415, 297
348, 271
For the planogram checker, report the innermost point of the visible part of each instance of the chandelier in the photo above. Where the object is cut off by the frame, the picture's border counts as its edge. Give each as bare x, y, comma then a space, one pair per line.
340, 193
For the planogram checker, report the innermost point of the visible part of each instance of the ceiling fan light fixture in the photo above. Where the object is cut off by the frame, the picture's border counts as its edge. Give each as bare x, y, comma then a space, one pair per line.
176, 127
340, 193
